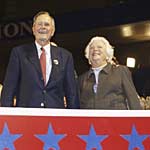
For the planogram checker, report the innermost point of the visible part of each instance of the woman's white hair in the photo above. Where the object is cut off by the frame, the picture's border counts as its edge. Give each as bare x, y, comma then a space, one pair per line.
109, 48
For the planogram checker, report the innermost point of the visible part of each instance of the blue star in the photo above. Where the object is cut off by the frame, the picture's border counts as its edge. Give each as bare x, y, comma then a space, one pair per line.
93, 140
7, 139
50, 139
135, 140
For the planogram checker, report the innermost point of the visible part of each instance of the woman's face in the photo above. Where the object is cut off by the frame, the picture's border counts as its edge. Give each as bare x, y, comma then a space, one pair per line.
97, 53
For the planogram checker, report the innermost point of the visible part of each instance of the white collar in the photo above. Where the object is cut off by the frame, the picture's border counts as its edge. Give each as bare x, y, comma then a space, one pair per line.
99, 68
46, 47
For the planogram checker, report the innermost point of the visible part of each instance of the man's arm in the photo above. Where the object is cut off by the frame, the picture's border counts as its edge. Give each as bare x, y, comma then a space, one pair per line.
11, 80
71, 90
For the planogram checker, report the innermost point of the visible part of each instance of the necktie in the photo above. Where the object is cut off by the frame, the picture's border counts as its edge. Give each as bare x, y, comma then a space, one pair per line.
43, 64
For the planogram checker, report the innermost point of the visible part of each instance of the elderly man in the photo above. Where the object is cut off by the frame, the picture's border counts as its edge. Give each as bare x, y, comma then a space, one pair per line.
40, 74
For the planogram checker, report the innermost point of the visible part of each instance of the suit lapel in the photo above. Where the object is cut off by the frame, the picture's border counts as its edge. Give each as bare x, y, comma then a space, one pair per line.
33, 57
55, 58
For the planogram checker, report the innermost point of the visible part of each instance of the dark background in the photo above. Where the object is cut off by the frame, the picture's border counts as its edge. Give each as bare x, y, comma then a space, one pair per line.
125, 23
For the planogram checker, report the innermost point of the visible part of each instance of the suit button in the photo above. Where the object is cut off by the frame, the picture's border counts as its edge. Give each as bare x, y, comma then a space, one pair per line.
42, 104
44, 91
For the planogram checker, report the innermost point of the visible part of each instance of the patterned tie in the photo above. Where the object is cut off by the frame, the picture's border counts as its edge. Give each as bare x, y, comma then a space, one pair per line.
43, 64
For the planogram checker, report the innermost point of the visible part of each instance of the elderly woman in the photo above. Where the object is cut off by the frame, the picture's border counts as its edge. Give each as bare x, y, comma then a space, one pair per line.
106, 85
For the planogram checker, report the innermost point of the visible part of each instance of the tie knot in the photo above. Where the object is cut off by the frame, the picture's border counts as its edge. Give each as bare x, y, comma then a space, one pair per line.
42, 49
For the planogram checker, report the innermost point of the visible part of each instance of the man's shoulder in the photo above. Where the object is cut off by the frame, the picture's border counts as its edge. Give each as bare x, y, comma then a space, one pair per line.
22, 46
61, 50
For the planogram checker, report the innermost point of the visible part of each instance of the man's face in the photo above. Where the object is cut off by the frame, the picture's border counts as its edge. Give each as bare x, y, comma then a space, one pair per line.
43, 28
97, 52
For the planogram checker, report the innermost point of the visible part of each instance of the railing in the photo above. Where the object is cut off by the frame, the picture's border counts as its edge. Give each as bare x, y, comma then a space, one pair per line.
72, 129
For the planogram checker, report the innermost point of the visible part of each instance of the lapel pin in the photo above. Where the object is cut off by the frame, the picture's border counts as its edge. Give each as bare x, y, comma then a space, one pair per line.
55, 61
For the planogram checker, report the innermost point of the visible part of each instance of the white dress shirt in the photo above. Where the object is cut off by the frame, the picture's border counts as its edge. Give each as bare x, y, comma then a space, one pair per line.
96, 73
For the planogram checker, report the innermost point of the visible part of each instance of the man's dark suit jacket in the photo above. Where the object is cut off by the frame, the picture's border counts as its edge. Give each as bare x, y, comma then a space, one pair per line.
24, 79
115, 89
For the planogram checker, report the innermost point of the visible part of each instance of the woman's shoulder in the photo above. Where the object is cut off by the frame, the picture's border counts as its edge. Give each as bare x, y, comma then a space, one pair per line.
119, 67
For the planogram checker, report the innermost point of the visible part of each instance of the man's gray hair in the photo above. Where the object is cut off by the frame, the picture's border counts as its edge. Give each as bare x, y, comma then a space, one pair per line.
45, 13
